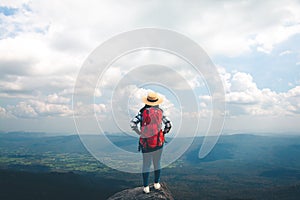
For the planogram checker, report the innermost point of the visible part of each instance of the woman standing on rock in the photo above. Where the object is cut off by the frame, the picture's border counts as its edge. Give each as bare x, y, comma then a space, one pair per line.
152, 138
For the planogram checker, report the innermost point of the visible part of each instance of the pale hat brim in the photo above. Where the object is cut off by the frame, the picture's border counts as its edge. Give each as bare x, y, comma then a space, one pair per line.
155, 103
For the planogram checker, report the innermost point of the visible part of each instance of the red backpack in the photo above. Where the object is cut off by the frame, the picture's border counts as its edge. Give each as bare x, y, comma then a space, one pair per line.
151, 132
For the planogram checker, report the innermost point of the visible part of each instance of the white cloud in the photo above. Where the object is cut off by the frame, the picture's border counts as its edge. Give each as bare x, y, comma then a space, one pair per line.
245, 98
242, 82
111, 77
36, 108
44, 44
205, 108
58, 42
235, 27
22, 109
55, 99
99, 108
2, 112
287, 52
241, 98
32, 86
11, 86
83, 110
160, 64
293, 100
225, 77
29, 54
49, 109
37, 40
13, 3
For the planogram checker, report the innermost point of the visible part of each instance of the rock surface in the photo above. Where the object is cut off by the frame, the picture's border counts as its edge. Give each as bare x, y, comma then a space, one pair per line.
137, 193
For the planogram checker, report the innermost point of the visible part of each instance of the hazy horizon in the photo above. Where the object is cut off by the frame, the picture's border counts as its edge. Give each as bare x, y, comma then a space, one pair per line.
287, 134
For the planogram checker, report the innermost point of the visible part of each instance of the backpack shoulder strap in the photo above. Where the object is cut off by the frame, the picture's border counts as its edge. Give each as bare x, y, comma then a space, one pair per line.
143, 108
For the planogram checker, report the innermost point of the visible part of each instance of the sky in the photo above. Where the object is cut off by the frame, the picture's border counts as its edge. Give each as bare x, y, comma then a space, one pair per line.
253, 44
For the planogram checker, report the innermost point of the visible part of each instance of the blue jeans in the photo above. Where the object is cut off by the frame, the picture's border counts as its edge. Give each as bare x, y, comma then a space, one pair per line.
155, 157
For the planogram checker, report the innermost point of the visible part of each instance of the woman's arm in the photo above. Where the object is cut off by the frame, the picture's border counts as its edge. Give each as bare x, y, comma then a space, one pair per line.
168, 124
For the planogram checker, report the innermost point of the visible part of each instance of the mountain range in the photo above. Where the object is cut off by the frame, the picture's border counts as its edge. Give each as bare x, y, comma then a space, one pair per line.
241, 166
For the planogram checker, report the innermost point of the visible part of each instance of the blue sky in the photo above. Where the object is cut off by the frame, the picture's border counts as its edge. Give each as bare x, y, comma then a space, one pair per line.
276, 70
254, 45
7, 11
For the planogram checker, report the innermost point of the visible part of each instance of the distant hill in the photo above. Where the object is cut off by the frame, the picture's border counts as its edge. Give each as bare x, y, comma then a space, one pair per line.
242, 166
40, 142
56, 185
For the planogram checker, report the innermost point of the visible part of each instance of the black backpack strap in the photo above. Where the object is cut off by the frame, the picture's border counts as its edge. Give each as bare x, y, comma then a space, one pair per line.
158, 135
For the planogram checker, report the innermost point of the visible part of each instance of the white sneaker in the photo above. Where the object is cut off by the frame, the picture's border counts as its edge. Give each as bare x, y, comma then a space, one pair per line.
157, 186
146, 189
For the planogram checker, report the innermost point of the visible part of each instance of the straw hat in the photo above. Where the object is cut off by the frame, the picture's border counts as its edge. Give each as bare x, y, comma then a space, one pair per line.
152, 99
